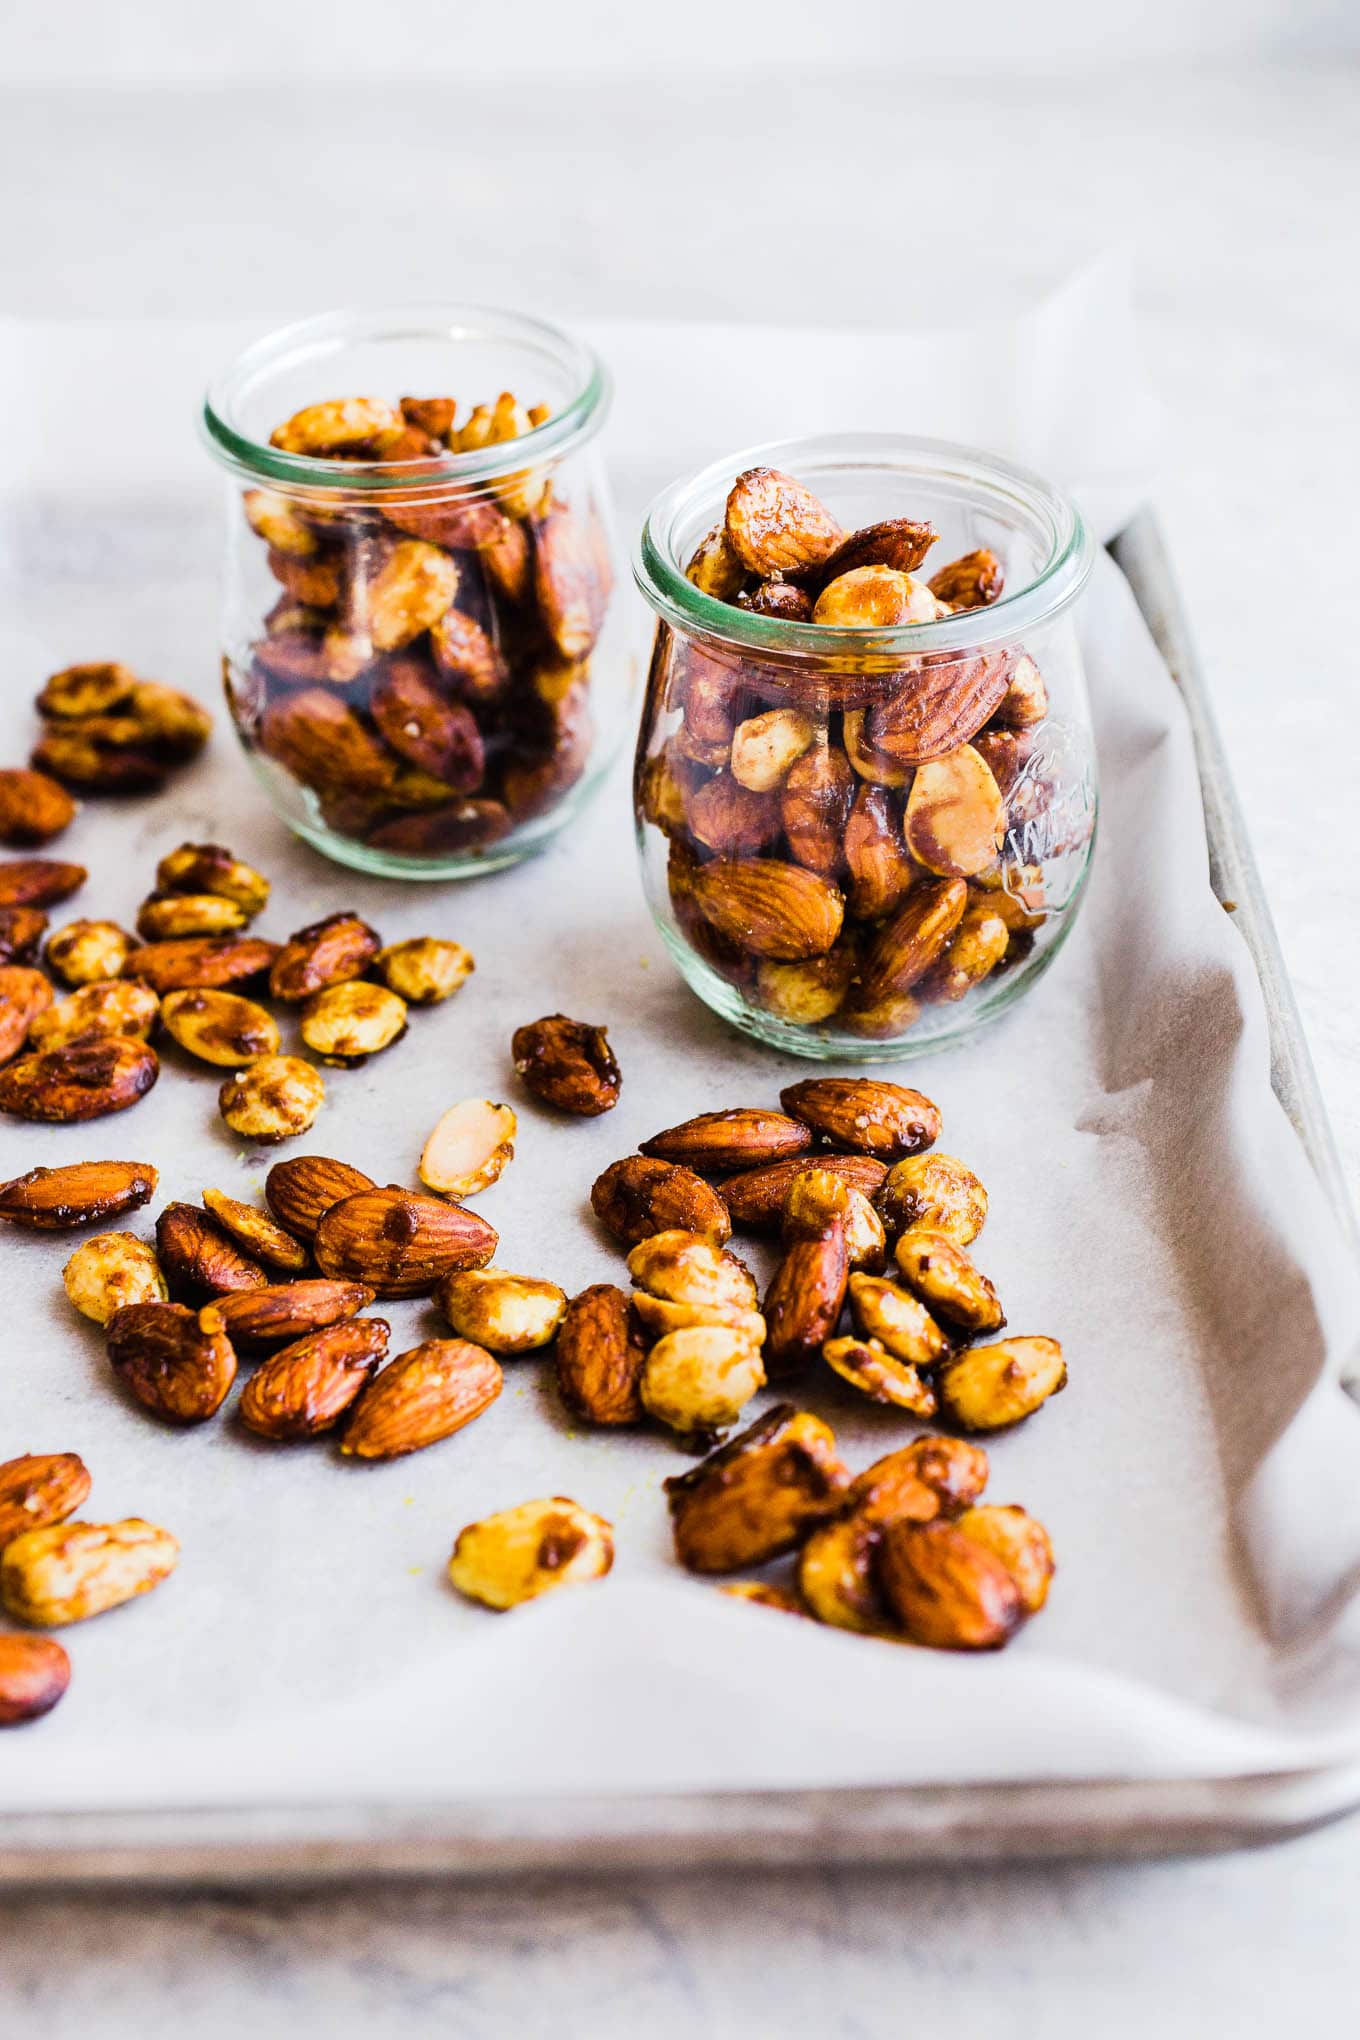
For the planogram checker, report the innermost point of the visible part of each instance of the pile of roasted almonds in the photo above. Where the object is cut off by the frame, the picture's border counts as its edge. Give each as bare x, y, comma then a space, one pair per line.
426, 671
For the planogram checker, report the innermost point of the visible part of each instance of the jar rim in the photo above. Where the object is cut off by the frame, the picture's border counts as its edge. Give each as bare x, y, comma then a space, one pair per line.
329, 333
659, 571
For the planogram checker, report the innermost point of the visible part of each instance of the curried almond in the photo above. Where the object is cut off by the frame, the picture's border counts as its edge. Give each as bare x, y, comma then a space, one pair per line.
929, 1477
730, 820
87, 1080
815, 802
642, 1195
699, 1379
955, 821
880, 1375
770, 908
756, 1198
170, 916
875, 598
179, 1363
806, 1295
322, 743
876, 857
281, 1312
893, 1317
837, 1576
469, 658
505, 1313
944, 703
943, 1276
971, 582
34, 1674
255, 1232
775, 526
568, 1064
864, 1114
424, 970
110, 1271
685, 1268
816, 1197
867, 760
766, 746
220, 1027
92, 689
1020, 1542
340, 425
38, 881
946, 1589
659, 1315
33, 808
897, 542
783, 599
757, 1496
302, 1190
101, 754
273, 1099
400, 1242
200, 963
573, 578
520, 1553
197, 1258
39, 1488
990, 1387
600, 1355
907, 945
93, 1012
805, 994
425, 727
741, 1137
347, 1023
21, 931
423, 1396
307, 1387
328, 952
24, 996
975, 949
935, 1191
469, 1148
1025, 701
81, 1193
74, 1570
209, 868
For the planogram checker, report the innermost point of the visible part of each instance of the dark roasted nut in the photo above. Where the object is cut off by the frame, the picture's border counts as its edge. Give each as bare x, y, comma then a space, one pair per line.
776, 526
71, 1571
82, 1193
600, 1356
520, 1553
715, 569
119, 1006
39, 1488
759, 1495
740, 1137
880, 1375
942, 705
897, 542
884, 1312
425, 727
85, 1081
307, 1387
945, 1589
642, 1195
282, 1312
990, 1387
467, 825
273, 1099
329, 952
112, 1270
929, 1477
220, 1027
425, 1395
814, 807
568, 1064
552, 760
38, 881
197, 1257
25, 996
874, 598
347, 1023
572, 578
1022, 1545
876, 858
21, 931
200, 963
837, 1576
756, 1198
315, 582
975, 949
103, 754
424, 969
971, 582
302, 1190
942, 1275
864, 1115
466, 656
170, 917
88, 952
33, 808
208, 868
178, 1363
78, 691
400, 1242
34, 1674
256, 1234
806, 1295
322, 742
1006, 753
955, 821
434, 415
769, 908
508, 1314
783, 599
1025, 701
907, 945
730, 820
171, 723
699, 1378
935, 1191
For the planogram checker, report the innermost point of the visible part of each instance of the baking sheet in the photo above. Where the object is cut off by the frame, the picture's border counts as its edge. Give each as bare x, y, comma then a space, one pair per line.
1150, 1205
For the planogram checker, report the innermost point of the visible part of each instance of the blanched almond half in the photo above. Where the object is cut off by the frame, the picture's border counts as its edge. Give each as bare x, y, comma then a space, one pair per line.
469, 1148
955, 822
765, 746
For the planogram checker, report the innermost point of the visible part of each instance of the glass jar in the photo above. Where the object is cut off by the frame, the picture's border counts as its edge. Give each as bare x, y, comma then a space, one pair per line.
421, 655
862, 842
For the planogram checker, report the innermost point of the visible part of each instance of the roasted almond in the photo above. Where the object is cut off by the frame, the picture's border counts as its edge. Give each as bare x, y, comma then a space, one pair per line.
24, 996
198, 1259
935, 1191
943, 704
103, 754
74, 1570
890, 1315
33, 808
220, 1027
302, 1190
172, 916
568, 1064
110, 1271
94, 1012
907, 945
730, 820
470, 1147
769, 908
64, 1086
955, 821
282, 1312
898, 542
256, 1234
806, 1296
323, 744
878, 864
34, 1674
805, 994
39, 1488
307, 1387
21, 931
837, 1576
757, 1496
179, 1363
340, 425
88, 952
465, 655
867, 760
505, 1313
400, 1242
600, 1355
328, 952
699, 1378
990, 1387
200, 963
815, 801
424, 970
423, 1396
274, 1098
920, 1481
973, 952
520, 1553
784, 599
880, 1375
776, 526
946, 1589
766, 746
936, 1267
714, 567
1025, 701
38, 881
347, 1023
874, 598
209, 868
573, 578
425, 727
465, 825
757, 1197
685, 1268
741, 1137
80, 1193
642, 1195
864, 1115
970, 582
1020, 1542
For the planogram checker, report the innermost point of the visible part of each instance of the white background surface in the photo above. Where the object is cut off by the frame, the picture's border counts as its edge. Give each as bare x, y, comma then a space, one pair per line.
842, 194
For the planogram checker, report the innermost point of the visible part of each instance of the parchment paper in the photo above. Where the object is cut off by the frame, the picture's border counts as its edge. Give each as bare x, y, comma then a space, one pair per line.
1150, 1206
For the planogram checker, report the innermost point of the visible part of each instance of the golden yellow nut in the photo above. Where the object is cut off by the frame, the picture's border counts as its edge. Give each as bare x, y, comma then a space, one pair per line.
505, 1313
111, 1270
764, 747
816, 1197
424, 970
701, 1378
805, 994
274, 519
989, 1387
272, 1099
938, 1270
469, 1148
349, 1022
935, 1191
715, 569
523, 1552
340, 425
220, 1027
685, 1267
255, 1231
875, 598
878, 1374
71, 1571
171, 916
88, 952
883, 1311
1020, 1541
870, 764
836, 1576
659, 1315
120, 1006
410, 591
208, 868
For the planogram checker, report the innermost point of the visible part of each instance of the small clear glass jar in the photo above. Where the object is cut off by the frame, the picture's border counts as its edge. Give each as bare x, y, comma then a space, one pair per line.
863, 843
421, 653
